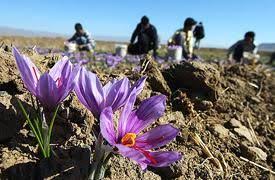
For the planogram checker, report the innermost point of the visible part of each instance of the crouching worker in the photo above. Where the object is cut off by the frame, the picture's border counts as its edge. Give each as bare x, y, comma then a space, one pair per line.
184, 38
81, 39
147, 38
244, 50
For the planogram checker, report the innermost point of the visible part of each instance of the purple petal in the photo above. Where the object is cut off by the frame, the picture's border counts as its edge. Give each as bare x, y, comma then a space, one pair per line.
89, 91
107, 125
163, 158
68, 77
124, 116
108, 86
64, 73
139, 84
58, 69
46, 91
118, 94
132, 154
29, 72
149, 111
157, 137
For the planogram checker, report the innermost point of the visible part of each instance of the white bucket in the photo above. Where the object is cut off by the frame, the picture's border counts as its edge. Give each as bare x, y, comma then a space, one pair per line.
121, 50
249, 58
70, 47
175, 53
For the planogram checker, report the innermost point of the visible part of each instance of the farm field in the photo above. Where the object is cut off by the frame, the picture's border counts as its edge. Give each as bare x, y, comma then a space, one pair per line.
224, 112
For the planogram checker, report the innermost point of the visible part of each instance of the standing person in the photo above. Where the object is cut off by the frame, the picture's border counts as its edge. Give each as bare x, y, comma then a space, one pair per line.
82, 38
184, 37
245, 45
147, 38
198, 34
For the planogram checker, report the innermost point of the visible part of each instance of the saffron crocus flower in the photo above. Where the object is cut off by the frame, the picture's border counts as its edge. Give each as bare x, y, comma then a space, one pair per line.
128, 138
53, 86
113, 60
96, 97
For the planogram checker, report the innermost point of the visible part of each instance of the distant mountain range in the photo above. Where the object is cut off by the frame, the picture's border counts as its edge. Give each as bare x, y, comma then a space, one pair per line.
267, 47
9, 31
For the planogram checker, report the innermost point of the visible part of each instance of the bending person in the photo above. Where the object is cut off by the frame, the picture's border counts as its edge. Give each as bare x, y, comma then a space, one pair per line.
147, 38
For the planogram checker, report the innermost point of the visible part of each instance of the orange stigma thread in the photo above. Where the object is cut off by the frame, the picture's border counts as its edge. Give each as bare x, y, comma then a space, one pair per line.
129, 139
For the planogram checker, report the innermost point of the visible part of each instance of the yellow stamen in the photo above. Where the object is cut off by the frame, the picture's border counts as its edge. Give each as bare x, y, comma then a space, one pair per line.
129, 139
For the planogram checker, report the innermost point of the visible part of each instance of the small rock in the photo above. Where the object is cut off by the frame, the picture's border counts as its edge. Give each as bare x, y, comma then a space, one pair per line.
244, 132
220, 130
252, 153
260, 153
235, 123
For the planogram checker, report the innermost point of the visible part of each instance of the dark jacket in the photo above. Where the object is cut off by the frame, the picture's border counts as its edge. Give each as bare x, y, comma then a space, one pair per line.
151, 32
81, 39
239, 48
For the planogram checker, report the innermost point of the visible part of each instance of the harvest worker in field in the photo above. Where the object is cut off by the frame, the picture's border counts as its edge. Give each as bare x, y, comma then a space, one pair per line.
147, 38
237, 50
184, 38
198, 34
82, 39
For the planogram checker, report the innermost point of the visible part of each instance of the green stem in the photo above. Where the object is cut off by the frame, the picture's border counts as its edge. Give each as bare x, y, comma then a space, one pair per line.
32, 128
50, 129
38, 129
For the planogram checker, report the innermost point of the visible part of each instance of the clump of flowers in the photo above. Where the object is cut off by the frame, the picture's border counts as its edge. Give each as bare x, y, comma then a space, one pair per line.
127, 139
113, 60
50, 89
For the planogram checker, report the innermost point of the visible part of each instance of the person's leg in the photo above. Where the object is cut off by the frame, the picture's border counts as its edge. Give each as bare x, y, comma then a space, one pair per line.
198, 45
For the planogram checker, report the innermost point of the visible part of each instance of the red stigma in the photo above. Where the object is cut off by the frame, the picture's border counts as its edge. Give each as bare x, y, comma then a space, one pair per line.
59, 82
35, 73
146, 154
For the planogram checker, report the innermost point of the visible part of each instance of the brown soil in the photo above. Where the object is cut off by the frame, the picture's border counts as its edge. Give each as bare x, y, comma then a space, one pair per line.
229, 109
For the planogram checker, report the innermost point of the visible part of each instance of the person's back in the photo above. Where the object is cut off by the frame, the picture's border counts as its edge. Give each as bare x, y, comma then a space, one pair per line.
241, 46
147, 38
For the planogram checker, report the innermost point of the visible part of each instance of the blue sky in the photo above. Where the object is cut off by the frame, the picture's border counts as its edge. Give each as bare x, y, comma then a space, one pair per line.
225, 21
